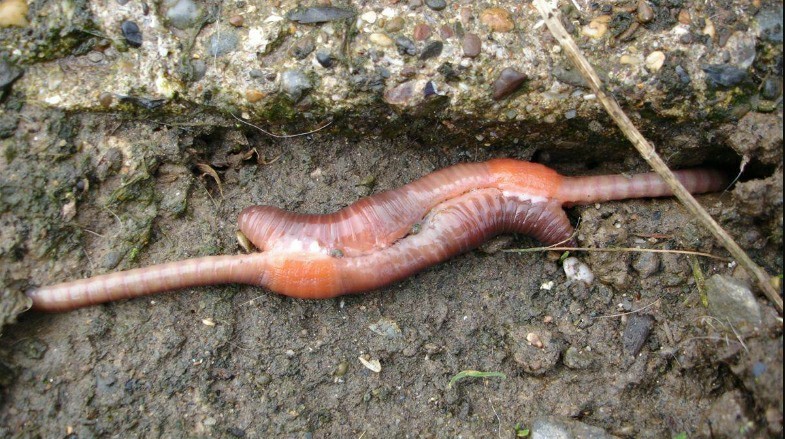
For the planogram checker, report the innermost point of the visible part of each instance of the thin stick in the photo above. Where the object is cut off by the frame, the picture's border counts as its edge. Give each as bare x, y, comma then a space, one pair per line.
646, 150
615, 249
282, 136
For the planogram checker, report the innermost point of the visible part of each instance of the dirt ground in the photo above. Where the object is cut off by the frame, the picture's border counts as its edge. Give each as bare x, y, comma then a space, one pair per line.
93, 194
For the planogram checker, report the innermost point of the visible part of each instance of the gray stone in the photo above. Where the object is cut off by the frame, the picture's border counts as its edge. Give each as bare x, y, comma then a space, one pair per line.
294, 83
184, 14
558, 427
636, 332
731, 300
222, 42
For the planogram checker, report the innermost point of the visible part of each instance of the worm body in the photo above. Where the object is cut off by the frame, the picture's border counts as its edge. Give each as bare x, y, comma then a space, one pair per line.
385, 237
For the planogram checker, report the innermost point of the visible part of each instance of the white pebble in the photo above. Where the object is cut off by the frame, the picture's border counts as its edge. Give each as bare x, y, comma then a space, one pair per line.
576, 270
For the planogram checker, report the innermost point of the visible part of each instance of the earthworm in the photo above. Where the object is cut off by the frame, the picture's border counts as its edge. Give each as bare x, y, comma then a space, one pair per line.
383, 238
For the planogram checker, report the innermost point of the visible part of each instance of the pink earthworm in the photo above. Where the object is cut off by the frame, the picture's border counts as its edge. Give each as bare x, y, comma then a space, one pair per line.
383, 238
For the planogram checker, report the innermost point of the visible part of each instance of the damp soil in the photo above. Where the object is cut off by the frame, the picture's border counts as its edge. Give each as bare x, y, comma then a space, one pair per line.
87, 194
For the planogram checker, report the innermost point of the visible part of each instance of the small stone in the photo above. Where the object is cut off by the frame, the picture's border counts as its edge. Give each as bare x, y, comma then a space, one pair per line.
723, 75
341, 369
131, 33
772, 88
13, 13
184, 14
106, 99
647, 264
769, 20
324, 59
684, 76
209, 422
386, 328
631, 60
436, 5
303, 47
571, 114
534, 340
402, 94
395, 24
636, 332
405, 46
369, 17
253, 95
95, 56
319, 14
535, 352
421, 32
199, 69
236, 20
563, 427
577, 271
686, 38
684, 17
446, 32
472, 45
730, 300
381, 40
432, 50
645, 13
509, 80
598, 27
498, 19
8, 74
654, 61
294, 83
221, 43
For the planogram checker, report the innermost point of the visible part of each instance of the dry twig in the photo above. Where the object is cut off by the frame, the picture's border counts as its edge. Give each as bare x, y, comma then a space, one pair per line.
550, 16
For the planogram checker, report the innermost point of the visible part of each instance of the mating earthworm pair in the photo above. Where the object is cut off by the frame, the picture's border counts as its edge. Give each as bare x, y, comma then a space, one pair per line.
385, 237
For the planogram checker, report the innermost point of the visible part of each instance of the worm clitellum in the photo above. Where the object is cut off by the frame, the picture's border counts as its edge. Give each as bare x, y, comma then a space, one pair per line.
385, 237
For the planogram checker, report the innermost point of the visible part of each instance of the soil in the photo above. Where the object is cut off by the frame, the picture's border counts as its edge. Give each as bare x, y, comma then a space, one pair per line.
87, 194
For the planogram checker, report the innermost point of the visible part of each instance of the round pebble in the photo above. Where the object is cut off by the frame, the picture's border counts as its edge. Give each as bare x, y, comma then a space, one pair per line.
395, 24
324, 59
106, 99
422, 32
509, 80
369, 17
236, 21
655, 60
498, 19
472, 45
184, 14
381, 40
221, 43
253, 95
132, 34
684, 17
645, 13
436, 5
95, 56
577, 271
772, 88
